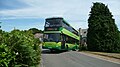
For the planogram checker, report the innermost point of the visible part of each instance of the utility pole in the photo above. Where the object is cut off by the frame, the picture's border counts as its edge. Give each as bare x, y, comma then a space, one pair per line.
14, 28
0, 25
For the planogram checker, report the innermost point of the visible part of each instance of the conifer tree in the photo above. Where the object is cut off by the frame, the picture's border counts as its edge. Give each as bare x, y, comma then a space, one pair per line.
103, 34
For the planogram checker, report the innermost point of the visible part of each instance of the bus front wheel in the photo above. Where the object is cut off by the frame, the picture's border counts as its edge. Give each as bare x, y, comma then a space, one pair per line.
51, 50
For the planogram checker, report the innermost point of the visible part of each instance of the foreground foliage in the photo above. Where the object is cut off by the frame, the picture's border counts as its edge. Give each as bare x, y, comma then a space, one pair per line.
103, 34
19, 49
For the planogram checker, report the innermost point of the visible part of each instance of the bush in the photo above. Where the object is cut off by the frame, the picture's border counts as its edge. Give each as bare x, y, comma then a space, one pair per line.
7, 57
22, 47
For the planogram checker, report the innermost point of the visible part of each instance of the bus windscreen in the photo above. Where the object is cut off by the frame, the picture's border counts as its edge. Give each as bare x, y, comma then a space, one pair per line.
55, 37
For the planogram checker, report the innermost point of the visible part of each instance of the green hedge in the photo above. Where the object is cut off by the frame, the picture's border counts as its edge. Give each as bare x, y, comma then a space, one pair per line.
19, 49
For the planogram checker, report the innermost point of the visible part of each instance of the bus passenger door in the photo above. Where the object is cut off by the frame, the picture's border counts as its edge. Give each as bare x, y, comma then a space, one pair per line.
63, 42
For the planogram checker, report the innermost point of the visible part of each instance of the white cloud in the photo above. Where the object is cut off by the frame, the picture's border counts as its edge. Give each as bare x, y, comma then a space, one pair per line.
71, 10
32, 12
44, 8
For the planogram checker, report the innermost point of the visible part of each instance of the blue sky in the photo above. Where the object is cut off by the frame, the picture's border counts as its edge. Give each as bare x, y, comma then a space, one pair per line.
25, 14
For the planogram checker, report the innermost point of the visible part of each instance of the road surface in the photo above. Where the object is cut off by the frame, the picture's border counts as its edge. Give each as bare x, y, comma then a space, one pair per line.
72, 59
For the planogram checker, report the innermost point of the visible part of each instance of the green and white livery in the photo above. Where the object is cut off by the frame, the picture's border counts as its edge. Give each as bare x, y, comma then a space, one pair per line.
59, 35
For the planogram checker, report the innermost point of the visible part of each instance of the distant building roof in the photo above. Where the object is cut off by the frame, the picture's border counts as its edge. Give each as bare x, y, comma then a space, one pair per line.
38, 35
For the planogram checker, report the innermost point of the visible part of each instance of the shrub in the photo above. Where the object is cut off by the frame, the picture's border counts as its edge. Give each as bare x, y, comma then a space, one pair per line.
22, 47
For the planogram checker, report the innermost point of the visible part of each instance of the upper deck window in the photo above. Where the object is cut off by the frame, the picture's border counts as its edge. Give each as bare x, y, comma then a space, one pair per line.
53, 23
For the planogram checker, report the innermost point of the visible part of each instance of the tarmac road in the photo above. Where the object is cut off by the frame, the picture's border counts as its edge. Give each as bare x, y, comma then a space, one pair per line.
72, 59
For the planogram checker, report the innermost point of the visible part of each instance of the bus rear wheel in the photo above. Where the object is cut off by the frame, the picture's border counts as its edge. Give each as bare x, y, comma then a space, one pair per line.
75, 49
67, 48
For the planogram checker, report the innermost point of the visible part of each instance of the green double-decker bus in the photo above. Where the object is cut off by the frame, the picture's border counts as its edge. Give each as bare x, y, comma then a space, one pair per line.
59, 35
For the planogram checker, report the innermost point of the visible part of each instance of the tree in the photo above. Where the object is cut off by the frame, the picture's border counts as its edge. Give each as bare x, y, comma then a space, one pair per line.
103, 34
35, 30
